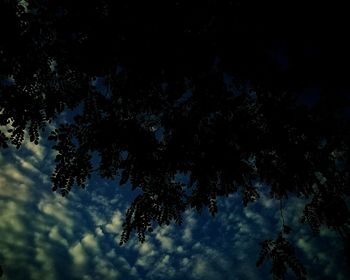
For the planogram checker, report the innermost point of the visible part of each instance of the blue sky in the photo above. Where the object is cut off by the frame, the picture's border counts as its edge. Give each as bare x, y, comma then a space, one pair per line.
46, 236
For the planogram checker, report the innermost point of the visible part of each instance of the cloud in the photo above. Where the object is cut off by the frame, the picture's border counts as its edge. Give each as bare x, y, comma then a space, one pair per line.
90, 243
146, 248
79, 255
99, 232
105, 269
44, 251
166, 243
201, 269
115, 226
190, 223
162, 267
57, 212
55, 235
38, 152
147, 255
27, 165
45, 236
12, 174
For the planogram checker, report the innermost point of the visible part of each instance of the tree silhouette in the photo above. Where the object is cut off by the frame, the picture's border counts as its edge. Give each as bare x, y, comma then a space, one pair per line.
207, 90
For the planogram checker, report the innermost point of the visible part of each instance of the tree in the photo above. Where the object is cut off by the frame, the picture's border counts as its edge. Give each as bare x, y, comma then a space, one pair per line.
204, 90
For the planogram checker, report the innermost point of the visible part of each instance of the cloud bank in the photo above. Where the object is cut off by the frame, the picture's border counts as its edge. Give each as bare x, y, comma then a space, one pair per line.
45, 236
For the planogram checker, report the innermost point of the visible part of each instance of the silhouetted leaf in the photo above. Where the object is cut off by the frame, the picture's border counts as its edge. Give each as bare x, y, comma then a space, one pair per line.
286, 229
282, 255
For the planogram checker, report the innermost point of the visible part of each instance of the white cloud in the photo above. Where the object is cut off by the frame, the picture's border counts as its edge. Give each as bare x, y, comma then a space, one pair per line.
203, 270
185, 262
254, 218
190, 224
99, 232
38, 151
79, 255
146, 248
14, 175
115, 226
55, 208
27, 165
11, 218
145, 261
99, 217
306, 247
105, 270
187, 236
55, 235
90, 243
43, 256
147, 255
180, 250
43, 230
166, 243
162, 267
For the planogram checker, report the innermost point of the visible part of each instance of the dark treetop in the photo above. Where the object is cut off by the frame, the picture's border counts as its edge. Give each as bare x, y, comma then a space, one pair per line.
221, 94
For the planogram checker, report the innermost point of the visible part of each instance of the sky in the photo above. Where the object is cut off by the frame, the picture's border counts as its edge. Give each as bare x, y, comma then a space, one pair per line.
46, 236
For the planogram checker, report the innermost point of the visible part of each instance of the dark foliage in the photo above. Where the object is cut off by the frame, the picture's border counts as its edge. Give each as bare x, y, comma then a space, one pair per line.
211, 90
282, 255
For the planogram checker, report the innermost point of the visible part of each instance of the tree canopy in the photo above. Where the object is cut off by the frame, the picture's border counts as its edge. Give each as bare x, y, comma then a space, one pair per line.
188, 101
